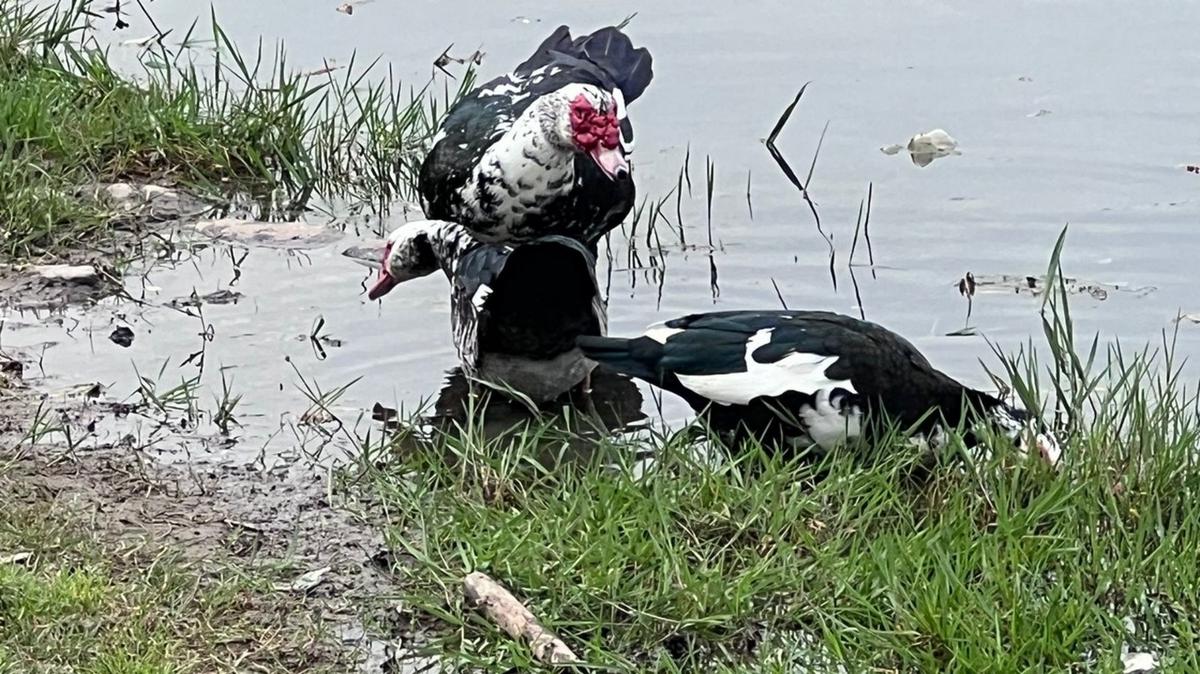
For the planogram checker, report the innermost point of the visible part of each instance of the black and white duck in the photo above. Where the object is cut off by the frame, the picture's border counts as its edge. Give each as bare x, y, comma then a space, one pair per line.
543, 150
515, 311
812, 376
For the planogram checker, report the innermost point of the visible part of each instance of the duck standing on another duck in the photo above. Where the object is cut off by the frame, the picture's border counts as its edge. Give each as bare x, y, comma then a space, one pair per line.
543, 150
810, 375
515, 312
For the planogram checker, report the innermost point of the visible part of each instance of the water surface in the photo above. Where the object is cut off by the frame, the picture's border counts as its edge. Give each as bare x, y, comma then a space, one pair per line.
1075, 113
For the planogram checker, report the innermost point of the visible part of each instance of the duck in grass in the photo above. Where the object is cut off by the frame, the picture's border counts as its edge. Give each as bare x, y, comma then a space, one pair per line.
811, 377
515, 311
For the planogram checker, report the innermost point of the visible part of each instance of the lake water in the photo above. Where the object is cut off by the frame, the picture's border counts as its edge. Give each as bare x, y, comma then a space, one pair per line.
1066, 112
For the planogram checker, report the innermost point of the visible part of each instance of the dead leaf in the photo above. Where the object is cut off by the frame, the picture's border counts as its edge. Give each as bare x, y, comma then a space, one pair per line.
305, 582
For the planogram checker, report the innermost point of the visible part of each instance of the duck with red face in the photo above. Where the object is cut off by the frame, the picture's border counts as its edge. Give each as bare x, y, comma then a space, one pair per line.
598, 134
543, 151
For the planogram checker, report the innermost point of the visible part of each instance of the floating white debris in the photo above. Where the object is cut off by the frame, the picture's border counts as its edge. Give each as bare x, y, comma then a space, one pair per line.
65, 272
925, 147
1040, 113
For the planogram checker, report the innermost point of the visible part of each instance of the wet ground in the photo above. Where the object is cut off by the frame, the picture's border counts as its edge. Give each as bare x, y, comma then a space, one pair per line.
1064, 113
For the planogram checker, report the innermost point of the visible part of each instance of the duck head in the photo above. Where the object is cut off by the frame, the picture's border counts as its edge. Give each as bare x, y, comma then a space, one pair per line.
586, 119
409, 252
1026, 431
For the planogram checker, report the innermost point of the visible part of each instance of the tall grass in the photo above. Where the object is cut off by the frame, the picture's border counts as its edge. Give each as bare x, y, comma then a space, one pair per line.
758, 564
249, 124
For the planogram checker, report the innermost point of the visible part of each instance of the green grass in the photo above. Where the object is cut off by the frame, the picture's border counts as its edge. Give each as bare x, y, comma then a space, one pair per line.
82, 604
757, 564
250, 125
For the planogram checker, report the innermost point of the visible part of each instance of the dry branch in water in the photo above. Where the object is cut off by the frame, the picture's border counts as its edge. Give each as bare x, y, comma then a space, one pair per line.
502, 608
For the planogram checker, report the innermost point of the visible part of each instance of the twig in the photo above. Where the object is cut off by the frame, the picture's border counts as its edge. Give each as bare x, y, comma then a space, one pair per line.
502, 608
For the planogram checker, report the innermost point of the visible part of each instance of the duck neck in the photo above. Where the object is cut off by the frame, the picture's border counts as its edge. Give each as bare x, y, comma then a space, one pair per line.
449, 241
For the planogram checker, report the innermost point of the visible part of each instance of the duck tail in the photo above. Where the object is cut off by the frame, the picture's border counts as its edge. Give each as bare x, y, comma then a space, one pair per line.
632, 357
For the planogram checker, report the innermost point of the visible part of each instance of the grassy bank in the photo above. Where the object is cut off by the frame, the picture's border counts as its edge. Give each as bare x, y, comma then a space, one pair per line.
760, 565
73, 602
247, 124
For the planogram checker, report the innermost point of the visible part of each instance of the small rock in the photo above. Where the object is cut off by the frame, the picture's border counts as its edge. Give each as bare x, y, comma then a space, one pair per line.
273, 234
120, 192
159, 193
80, 273
122, 336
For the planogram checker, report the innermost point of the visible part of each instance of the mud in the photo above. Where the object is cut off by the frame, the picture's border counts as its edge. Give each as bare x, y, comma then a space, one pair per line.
31, 287
277, 521
276, 517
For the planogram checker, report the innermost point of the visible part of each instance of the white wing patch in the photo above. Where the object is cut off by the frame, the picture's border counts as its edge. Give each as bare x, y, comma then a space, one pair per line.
799, 372
661, 332
480, 297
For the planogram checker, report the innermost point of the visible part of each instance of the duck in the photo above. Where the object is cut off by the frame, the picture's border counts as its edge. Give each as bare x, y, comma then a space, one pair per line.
543, 150
812, 377
515, 311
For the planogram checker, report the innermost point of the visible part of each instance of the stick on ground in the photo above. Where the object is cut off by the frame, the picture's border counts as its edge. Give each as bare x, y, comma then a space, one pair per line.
502, 608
